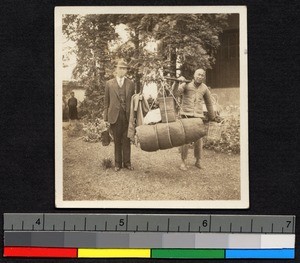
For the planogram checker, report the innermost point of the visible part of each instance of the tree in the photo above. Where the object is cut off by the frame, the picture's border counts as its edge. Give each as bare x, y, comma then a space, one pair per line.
140, 28
92, 35
190, 40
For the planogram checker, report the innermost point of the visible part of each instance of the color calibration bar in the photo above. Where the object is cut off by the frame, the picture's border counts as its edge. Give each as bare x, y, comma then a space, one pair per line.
149, 253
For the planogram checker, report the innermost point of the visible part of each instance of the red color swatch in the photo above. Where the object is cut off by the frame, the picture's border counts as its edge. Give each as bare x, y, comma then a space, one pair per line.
40, 252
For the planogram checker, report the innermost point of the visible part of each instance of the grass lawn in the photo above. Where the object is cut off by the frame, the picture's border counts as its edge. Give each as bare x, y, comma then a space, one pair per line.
156, 175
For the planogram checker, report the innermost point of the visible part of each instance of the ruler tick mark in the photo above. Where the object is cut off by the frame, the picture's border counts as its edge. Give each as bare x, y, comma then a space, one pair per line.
126, 222
64, 225
293, 228
105, 225
168, 224
137, 228
53, 227
189, 227
157, 228
230, 228
32, 227
22, 225
272, 230
85, 223
220, 229
251, 225
261, 229
95, 227
241, 229
178, 228
210, 223
199, 229
282, 230
74, 227
43, 221
147, 226
12, 227
116, 227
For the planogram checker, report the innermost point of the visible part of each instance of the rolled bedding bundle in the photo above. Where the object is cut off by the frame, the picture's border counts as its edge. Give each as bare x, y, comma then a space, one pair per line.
168, 135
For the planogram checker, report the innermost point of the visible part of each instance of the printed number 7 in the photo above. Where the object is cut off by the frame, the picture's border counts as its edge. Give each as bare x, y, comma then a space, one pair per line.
288, 223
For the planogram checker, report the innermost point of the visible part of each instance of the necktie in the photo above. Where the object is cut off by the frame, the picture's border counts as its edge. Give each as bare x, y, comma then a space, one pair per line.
121, 82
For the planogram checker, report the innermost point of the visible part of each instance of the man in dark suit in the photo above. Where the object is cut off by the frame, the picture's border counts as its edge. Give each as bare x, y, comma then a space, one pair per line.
118, 93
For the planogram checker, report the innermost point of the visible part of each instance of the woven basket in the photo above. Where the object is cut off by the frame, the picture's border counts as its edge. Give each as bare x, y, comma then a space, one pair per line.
214, 131
167, 109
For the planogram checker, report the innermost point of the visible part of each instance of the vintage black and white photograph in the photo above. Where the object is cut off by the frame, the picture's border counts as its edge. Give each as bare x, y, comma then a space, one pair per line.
151, 107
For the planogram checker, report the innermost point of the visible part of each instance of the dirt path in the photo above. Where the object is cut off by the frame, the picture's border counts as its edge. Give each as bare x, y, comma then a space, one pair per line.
156, 175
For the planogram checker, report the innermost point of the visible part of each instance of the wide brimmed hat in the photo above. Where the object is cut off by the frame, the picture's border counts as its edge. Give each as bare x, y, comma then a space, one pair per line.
121, 64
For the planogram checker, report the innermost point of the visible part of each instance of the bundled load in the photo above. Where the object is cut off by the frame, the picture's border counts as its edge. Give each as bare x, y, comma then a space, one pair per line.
161, 128
168, 135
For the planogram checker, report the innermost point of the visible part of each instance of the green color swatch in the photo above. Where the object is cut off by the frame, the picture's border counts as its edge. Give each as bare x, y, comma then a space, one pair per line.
188, 253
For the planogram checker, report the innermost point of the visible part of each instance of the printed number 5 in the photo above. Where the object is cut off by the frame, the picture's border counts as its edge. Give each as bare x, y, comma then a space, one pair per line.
121, 223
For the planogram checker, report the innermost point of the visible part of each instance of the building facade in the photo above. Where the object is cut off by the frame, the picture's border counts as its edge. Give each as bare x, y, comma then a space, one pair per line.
225, 72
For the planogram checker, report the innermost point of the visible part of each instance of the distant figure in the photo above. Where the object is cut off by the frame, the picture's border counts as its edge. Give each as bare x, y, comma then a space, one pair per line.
72, 104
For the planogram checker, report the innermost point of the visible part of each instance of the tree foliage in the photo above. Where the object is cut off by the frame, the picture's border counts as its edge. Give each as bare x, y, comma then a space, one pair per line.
192, 39
140, 28
188, 40
92, 35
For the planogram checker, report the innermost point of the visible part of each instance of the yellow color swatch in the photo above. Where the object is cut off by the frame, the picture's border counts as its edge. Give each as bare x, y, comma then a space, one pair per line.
114, 253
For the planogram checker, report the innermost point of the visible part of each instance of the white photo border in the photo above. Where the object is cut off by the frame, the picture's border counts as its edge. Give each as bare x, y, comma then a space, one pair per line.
243, 203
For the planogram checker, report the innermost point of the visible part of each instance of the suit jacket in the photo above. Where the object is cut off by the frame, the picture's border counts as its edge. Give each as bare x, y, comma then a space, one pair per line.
112, 102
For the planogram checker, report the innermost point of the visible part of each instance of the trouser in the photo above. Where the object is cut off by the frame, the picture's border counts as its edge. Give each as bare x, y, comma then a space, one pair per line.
198, 149
121, 141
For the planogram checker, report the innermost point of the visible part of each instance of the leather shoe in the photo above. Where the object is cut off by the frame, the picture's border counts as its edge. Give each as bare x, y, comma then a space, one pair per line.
117, 169
128, 167
199, 166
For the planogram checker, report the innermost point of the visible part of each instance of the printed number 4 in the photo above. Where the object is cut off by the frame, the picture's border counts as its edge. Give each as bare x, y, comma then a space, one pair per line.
38, 222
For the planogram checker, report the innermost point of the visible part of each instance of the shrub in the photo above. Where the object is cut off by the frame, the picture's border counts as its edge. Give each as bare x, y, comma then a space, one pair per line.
106, 163
230, 137
74, 129
93, 130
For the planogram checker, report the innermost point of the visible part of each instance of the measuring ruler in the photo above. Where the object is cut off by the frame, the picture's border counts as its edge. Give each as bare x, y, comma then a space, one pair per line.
149, 236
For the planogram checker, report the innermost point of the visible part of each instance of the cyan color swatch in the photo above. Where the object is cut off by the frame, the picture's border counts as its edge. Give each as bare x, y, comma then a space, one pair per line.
260, 253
